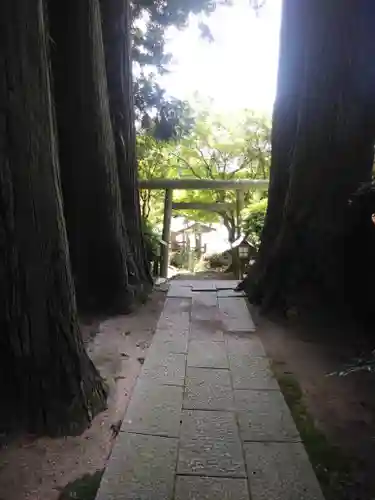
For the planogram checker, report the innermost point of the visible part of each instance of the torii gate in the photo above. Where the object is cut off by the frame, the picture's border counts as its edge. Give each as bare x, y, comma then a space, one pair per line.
169, 185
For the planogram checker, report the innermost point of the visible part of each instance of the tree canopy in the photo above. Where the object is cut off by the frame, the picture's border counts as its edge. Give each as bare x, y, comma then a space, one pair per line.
150, 21
218, 147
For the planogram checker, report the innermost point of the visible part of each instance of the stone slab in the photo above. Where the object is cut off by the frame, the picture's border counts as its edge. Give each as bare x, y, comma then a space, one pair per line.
173, 328
208, 389
280, 471
249, 372
230, 292
204, 299
235, 315
204, 286
210, 445
210, 488
173, 323
204, 354
140, 468
179, 345
204, 307
243, 343
154, 409
206, 330
165, 370
186, 283
174, 306
264, 416
225, 284
179, 292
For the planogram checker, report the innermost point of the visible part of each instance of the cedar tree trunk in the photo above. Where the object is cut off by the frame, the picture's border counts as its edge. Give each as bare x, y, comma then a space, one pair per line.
323, 140
49, 384
118, 50
98, 240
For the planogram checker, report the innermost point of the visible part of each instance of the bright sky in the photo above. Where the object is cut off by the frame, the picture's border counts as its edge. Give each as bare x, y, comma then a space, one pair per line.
238, 70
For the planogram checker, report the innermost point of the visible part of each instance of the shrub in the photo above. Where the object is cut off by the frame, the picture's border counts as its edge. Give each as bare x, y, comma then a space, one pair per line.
179, 259
254, 221
152, 240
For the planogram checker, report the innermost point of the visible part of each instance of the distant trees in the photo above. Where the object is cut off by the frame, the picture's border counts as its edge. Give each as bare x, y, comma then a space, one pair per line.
217, 147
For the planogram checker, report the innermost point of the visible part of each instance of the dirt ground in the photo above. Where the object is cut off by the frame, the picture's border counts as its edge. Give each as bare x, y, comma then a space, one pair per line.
343, 408
51, 469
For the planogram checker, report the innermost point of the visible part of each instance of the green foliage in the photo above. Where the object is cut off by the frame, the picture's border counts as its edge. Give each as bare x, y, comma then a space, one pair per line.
151, 19
216, 260
254, 216
218, 147
179, 259
224, 148
154, 161
152, 240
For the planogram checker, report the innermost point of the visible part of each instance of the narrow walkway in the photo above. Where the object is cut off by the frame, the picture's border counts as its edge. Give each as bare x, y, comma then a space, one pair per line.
207, 420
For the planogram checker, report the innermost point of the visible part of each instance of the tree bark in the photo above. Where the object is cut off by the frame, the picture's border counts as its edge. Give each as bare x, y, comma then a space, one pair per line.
101, 254
118, 48
323, 142
49, 384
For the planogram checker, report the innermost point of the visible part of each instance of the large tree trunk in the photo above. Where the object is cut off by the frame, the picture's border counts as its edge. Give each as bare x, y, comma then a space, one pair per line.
323, 142
100, 250
118, 50
49, 384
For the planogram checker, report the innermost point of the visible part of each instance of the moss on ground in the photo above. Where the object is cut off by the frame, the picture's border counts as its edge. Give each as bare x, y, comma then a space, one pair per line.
333, 469
83, 488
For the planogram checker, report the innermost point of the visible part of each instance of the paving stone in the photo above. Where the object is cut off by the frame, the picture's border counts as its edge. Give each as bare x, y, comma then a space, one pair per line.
204, 299
204, 306
208, 389
206, 330
264, 416
171, 320
154, 409
230, 292
210, 445
197, 283
140, 468
223, 284
280, 471
177, 346
174, 328
167, 370
174, 306
205, 354
204, 286
243, 343
187, 283
210, 488
249, 372
235, 315
179, 291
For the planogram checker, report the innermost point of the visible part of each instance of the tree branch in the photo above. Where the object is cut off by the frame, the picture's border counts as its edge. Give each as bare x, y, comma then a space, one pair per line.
187, 164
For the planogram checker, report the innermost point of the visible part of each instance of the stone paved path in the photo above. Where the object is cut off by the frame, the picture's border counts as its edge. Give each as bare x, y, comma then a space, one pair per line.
207, 420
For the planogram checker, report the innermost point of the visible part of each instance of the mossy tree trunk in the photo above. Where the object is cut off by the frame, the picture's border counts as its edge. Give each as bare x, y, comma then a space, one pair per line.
323, 143
49, 384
